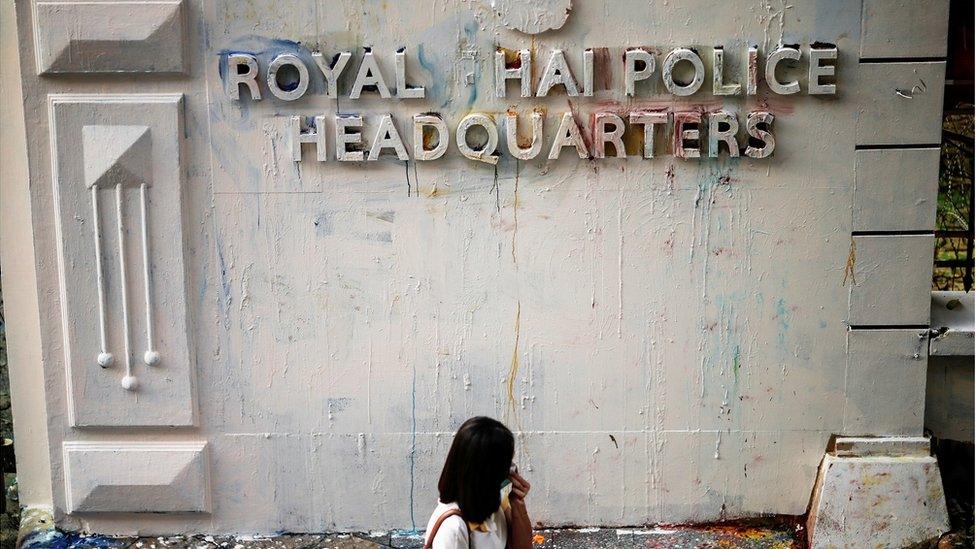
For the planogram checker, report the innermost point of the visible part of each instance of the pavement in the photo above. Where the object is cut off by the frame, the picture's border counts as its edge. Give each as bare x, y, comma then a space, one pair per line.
779, 536
37, 531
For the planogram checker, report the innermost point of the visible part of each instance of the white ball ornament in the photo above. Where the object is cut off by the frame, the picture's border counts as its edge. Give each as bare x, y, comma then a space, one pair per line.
105, 360
151, 358
130, 383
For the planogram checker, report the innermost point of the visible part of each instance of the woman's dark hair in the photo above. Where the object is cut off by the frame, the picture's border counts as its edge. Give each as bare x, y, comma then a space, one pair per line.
476, 466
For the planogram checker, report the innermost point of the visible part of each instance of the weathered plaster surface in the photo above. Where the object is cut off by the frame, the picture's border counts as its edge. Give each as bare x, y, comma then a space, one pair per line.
19, 275
668, 337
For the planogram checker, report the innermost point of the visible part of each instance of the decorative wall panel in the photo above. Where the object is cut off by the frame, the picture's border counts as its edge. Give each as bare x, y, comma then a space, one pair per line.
109, 36
117, 185
139, 477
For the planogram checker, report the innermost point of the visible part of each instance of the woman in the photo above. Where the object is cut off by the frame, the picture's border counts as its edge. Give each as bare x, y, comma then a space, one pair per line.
482, 496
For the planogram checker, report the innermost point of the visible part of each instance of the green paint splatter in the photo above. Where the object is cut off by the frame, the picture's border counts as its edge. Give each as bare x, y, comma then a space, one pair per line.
736, 363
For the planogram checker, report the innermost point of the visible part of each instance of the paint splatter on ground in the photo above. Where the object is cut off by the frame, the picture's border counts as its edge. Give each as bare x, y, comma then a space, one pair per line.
673, 538
773, 537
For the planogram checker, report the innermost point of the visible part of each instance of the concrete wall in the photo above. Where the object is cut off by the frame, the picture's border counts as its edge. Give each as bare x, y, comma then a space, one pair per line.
670, 338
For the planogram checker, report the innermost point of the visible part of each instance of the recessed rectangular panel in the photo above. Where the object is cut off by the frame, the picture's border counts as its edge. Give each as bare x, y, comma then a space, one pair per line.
904, 28
896, 189
109, 36
117, 187
892, 277
899, 103
886, 372
136, 477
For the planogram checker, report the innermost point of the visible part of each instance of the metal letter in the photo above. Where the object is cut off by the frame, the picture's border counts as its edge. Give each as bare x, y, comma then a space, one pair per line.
557, 72
772, 61
601, 136
235, 78
332, 74
588, 72
673, 58
432, 121
568, 134
755, 132
369, 75
716, 134
387, 136
648, 120
523, 72
718, 70
403, 90
287, 60
814, 87
752, 71
681, 134
315, 135
511, 136
631, 74
486, 153
343, 139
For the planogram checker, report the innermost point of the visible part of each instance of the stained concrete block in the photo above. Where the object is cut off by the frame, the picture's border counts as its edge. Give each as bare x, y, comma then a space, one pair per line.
887, 446
904, 28
899, 103
876, 501
896, 189
891, 280
885, 381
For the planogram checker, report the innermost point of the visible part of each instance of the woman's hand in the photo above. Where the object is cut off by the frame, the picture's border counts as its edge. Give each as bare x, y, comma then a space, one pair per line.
520, 526
520, 486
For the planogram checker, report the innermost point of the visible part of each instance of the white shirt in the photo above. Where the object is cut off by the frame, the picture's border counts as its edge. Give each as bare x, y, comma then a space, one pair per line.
454, 534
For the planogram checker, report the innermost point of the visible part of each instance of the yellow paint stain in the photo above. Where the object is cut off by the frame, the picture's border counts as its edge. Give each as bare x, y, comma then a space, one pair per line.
514, 368
874, 480
849, 269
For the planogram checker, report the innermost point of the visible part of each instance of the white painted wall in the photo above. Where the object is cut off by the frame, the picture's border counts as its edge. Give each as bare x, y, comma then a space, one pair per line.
669, 338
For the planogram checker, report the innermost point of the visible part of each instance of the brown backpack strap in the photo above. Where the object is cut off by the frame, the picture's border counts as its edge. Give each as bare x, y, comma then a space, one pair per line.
437, 525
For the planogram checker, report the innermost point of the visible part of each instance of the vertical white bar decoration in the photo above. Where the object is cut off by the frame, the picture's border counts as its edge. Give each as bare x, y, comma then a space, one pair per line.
151, 357
105, 358
129, 382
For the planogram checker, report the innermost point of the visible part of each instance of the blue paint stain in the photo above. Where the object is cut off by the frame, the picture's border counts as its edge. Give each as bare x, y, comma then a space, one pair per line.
413, 442
265, 50
470, 29
436, 87
56, 539
782, 322
225, 297
323, 224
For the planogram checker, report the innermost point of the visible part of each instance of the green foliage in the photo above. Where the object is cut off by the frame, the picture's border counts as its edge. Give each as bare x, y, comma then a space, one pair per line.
955, 199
